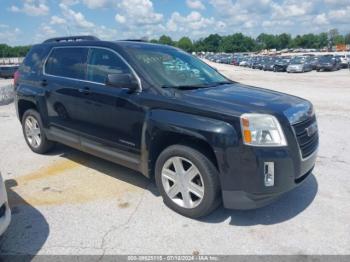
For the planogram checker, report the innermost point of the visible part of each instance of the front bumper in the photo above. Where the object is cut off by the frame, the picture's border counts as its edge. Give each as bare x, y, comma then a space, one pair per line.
250, 192
324, 67
279, 68
294, 69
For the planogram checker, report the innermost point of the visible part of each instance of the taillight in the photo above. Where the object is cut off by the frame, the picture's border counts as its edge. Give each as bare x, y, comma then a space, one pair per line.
15, 78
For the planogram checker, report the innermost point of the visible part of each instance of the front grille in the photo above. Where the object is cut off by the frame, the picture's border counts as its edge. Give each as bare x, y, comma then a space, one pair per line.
307, 144
2, 210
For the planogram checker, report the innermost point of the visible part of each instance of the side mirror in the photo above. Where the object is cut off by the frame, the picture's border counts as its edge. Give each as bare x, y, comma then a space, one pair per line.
122, 81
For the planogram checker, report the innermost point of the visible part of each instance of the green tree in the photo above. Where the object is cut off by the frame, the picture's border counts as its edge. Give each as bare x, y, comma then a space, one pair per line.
283, 41
165, 40
212, 43
347, 39
16, 51
322, 40
267, 41
186, 44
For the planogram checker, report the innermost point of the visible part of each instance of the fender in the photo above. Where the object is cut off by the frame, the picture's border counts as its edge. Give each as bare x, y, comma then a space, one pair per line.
220, 135
33, 94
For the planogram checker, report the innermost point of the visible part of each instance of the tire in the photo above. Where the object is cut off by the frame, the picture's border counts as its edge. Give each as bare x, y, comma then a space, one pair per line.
44, 145
207, 179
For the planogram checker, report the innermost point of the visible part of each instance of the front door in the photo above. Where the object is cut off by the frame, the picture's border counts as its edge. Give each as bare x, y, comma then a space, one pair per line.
109, 116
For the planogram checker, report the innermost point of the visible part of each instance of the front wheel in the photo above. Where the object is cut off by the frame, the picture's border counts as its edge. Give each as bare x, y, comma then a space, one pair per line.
34, 134
188, 181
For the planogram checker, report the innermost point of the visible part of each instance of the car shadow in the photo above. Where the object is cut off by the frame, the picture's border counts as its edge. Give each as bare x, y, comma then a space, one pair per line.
106, 167
28, 229
285, 208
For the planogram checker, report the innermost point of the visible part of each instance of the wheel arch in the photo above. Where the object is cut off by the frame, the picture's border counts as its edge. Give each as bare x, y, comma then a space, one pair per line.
209, 136
24, 105
167, 138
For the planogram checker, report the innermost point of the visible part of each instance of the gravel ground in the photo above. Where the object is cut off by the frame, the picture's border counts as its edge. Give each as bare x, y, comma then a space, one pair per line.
68, 202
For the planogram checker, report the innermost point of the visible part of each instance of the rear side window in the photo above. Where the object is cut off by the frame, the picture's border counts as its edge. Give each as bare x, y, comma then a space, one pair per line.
67, 62
34, 60
102, 62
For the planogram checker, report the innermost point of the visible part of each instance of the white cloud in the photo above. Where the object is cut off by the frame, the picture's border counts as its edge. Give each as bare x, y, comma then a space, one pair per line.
139, 12
69, 2
56, 20
32, 8
120, 18
340, 15
93, 4
195, 4
9, 35
77, 18
194, 23
321, 19
292, 9
48, 30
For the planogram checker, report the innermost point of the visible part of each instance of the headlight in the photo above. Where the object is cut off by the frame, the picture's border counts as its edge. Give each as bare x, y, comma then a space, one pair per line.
262, 130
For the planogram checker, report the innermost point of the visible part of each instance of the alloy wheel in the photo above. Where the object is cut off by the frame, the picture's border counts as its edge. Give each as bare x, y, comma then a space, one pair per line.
32, 131
182, 182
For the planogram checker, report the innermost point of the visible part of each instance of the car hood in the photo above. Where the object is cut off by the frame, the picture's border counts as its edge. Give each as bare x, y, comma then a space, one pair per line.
236, 99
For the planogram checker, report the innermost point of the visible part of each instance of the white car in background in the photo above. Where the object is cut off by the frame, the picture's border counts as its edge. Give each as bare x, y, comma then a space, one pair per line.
5, 212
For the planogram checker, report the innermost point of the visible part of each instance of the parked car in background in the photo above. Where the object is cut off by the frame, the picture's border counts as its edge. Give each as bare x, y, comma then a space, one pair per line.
299, 64
5, 212
269, 64
8, 71
203, 138
328, 63
245, 61
314, 61
344, 60
236, 60
259, 63
281, 64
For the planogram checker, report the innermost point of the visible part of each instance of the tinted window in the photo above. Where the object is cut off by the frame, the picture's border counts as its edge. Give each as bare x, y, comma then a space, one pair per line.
102, 62
34, 60
67, 62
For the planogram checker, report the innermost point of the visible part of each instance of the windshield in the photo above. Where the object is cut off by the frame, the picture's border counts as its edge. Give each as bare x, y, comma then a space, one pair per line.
326, 59
170, 67
298, 60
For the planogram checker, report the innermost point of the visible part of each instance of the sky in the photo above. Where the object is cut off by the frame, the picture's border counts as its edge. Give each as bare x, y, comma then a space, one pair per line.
24, 22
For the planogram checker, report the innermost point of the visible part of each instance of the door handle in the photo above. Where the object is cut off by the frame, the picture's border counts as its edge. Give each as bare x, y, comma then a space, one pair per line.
84, 90
43, 82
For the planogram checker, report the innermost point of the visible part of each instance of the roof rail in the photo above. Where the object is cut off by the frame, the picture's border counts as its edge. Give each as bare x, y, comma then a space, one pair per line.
134, 40
72, 39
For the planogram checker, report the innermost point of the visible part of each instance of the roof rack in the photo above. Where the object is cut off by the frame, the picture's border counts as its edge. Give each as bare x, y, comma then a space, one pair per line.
134, 40
72, 39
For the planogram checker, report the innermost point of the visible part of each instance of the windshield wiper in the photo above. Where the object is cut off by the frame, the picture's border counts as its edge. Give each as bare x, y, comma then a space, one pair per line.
221, 83
189, 87
185, 87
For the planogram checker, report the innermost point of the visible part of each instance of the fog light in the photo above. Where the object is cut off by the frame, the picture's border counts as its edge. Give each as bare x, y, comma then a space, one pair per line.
269, 173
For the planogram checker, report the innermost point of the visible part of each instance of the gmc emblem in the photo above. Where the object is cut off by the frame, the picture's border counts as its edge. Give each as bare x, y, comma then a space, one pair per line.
312, 129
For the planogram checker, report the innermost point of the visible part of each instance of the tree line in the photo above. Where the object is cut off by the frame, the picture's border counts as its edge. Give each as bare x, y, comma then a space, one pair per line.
15, 51
239, 42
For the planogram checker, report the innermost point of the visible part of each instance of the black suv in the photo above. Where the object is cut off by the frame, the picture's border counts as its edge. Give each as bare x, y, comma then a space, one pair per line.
165, 113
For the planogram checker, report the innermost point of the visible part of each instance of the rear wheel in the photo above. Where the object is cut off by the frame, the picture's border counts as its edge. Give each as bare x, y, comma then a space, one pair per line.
34, 133
188, 181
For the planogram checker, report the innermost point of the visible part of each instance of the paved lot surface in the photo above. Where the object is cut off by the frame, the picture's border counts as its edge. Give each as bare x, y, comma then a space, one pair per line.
73, 203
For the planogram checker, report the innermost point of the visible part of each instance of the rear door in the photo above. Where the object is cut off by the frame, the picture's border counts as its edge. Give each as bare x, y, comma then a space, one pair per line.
63, 78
